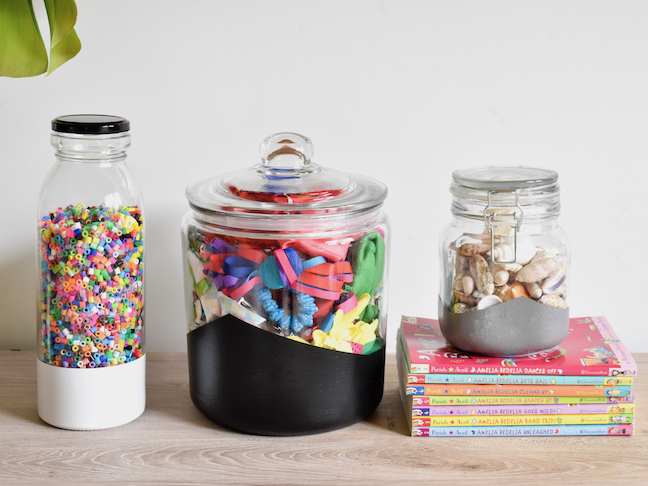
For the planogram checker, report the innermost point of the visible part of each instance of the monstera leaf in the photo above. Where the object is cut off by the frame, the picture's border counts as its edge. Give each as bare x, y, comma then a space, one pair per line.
22, 50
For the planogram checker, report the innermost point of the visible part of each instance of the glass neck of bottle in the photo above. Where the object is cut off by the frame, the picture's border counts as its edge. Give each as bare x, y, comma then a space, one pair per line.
90, 148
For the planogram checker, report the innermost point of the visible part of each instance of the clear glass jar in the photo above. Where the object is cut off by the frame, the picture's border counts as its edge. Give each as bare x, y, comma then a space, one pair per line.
513, 300
285, 286
90, 253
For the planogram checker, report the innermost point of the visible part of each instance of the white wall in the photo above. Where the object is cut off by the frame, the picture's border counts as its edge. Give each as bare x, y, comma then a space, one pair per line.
403, 91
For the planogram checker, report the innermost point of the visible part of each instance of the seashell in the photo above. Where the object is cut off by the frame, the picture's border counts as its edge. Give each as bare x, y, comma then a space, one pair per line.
466, 299
502, 292
521, 253
510, 267
478, 295
555, 280
517, 290
482, 236
460, 308
481, 274
471, 249
525, 253
537, 271
541, 255
462, 263
457, 284
502, 230
510, 292
560, 291
468, 284
502, 253
534, 289
489, 301
553, 301
500, 276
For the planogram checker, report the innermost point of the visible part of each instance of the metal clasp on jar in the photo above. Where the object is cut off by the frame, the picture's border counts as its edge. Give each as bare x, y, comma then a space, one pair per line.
505, 218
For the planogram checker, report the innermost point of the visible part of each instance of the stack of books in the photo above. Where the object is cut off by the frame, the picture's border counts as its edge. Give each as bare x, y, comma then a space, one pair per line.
581, 387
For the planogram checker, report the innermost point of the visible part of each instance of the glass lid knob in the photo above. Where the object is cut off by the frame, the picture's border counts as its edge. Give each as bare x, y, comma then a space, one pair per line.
288, 151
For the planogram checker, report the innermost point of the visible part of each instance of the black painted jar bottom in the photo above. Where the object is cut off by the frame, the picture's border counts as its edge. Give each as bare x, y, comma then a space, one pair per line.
256, 382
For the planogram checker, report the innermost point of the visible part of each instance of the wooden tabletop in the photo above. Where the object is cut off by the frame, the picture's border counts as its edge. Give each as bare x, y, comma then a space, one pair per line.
172, 443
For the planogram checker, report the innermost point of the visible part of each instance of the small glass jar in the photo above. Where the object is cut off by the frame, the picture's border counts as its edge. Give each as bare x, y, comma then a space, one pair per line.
90, 261
504, 263
285, 286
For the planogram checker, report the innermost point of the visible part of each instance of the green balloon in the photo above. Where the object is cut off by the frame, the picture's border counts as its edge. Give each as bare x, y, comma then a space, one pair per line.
368, 263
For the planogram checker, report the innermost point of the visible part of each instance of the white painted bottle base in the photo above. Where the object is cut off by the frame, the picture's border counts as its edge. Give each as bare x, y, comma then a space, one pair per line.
90, 399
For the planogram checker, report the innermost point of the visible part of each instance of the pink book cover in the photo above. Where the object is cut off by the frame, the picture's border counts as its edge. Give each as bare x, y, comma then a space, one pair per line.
590, 348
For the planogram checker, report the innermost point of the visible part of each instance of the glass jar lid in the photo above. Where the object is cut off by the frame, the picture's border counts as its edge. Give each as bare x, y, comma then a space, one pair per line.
480, 190
285, 183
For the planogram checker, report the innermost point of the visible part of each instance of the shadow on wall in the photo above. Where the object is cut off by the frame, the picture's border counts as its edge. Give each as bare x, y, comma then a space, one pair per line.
165, 326
18, 301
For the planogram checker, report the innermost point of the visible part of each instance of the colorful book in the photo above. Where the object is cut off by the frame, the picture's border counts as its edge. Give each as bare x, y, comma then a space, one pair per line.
425, 401
519, 420
591, 348
485, 400
418, 429
521, 390
430, 378
523, 431
483, 410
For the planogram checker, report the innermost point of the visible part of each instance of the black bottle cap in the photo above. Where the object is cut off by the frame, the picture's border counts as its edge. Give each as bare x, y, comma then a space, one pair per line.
90, 124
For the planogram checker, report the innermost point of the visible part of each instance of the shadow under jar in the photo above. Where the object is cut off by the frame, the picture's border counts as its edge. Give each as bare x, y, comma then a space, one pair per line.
504, 263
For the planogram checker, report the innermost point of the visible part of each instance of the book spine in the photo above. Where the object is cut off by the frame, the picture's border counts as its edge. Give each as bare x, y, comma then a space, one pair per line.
420, 400
481, 410
522, 420
520, 390
426, 368
444, 378
522, 430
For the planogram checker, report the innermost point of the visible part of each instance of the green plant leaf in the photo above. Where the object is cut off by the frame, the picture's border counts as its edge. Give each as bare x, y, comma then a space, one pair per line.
65, 50
62, 15
22, 51
65, 43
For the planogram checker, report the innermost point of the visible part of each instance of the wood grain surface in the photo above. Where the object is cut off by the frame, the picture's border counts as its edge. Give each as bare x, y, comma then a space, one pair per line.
172, 443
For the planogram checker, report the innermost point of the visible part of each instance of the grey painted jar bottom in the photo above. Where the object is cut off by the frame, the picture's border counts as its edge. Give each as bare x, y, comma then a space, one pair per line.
518, 327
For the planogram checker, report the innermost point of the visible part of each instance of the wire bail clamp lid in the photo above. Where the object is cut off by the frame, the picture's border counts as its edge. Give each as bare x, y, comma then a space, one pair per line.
494, 219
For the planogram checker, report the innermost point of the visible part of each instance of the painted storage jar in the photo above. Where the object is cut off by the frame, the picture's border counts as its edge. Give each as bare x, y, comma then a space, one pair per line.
286, 293
504, 263
91, 365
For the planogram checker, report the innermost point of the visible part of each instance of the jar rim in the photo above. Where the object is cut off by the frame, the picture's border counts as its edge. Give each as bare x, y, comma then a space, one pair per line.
505, 178
533, 191
211, 196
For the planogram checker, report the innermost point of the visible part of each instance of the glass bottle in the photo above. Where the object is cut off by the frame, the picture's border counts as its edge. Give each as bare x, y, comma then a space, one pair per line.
285, 286
504, 262
90, 257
